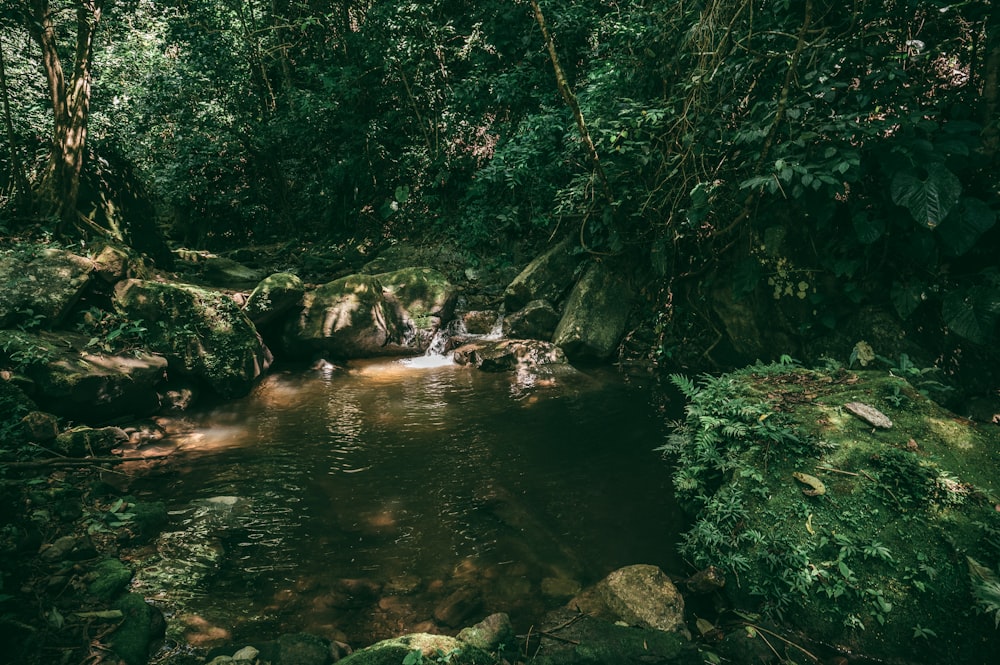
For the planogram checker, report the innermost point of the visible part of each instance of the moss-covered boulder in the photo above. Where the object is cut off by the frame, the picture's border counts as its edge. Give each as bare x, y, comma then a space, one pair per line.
881, 539
108, 578
70, 379
350, 318
595, 314
426, 298
272, 297
548, 277
142, 625
40, 285
201, 332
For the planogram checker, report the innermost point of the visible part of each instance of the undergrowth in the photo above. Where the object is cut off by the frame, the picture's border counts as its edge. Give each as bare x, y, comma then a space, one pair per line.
878, 557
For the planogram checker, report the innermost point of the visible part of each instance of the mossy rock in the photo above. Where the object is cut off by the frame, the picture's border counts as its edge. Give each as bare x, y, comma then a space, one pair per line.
274, 296
142, 625
110, 577
873, 553
201, 332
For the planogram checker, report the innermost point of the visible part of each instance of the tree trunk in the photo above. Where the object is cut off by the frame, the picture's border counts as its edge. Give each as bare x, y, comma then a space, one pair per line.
60, 185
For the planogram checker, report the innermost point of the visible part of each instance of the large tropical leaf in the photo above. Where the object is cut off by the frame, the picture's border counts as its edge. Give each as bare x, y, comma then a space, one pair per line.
972, 313
967, 221
928, 193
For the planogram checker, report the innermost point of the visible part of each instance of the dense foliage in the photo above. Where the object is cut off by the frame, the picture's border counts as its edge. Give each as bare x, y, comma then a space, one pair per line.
834, 154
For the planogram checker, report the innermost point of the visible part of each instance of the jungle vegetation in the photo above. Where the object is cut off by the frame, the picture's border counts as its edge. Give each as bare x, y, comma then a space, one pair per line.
810, 157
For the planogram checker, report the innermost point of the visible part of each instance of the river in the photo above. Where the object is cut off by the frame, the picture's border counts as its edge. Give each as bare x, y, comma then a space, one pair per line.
393, 496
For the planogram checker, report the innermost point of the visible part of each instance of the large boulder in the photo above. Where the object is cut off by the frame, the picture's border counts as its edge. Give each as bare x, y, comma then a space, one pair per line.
274, 296
360, 316
426, 297
640, 595
536, 320
548, 277
201, 332
40, 287
509, 354
70, 380
595, 315
349, 318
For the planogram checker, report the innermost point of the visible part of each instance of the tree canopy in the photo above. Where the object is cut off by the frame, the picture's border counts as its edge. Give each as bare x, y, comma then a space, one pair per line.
829, 153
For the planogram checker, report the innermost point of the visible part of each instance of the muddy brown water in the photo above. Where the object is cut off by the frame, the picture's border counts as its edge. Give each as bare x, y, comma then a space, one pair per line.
396, 496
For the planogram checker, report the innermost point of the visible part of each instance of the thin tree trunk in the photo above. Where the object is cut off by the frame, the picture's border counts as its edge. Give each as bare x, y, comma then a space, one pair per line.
567, 94
21, 186
60, 187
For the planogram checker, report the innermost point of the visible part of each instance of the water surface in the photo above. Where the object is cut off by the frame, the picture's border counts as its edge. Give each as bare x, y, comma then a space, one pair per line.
394, 496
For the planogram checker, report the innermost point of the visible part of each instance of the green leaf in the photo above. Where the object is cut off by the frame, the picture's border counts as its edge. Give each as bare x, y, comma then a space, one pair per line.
906, 297
928, 193
970, 219
972, 313
868, 229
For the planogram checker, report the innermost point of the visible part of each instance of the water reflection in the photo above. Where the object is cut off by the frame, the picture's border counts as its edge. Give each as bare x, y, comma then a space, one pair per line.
388, 497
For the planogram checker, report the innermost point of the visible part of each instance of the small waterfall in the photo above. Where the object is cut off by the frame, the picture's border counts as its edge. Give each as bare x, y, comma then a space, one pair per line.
437, 354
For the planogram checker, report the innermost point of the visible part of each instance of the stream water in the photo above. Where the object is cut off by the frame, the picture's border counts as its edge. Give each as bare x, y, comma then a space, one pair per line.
394, 496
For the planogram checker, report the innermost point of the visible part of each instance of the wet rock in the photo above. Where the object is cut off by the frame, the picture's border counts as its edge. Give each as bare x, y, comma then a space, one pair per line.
536, 320
548, 277
456, 608
143, 625
595, 315
490, 633
509, 354
480, 322
204, 333
108, 578
41, 287
274, 296
639, 595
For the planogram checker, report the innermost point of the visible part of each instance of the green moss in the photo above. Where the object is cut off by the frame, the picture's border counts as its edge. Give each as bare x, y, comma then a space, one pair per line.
111, 576
880, 557
141, 626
